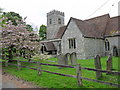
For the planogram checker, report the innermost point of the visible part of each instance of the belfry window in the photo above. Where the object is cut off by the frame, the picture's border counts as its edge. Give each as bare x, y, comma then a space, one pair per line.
50, 22
59, 21
72, 43
107, 45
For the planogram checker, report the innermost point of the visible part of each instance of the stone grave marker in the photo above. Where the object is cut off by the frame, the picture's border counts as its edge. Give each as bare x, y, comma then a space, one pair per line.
98, 66
109, 63
74, 59
61, 59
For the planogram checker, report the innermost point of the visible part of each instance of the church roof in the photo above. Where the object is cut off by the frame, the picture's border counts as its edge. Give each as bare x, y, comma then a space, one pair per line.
99, 23
60, 32
86, 28
113, 26
49, 46
98, 27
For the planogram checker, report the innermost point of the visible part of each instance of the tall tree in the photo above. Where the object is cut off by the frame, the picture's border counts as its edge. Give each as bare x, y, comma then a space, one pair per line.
15, 18
42, 32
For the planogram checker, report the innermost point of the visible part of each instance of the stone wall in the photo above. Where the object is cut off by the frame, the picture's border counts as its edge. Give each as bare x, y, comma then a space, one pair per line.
73, 32
114, 41
93, 47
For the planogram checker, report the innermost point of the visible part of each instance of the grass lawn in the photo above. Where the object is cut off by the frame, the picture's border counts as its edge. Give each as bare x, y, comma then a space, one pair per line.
47, 80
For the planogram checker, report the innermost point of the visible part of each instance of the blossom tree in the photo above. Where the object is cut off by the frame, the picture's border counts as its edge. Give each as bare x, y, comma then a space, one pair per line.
18, 41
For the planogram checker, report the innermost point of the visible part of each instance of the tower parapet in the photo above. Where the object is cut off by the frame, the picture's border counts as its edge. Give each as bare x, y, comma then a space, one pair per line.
55, 12
55, 20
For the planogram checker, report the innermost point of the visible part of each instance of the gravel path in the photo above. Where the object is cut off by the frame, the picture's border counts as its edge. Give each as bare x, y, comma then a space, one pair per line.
9, 81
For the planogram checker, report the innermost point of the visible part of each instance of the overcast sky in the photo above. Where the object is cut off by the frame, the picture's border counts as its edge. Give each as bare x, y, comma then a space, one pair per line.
36, 10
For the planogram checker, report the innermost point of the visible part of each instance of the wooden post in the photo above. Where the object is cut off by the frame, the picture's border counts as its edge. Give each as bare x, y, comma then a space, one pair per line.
98, 66
39, 68
109, 63
18, 64
79, 75
6, 63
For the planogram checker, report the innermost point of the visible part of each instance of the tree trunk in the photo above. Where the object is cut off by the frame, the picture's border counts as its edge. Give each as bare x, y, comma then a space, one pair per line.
10, 55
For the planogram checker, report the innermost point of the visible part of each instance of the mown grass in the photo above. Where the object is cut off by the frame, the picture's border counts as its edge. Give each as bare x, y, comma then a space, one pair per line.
47, 80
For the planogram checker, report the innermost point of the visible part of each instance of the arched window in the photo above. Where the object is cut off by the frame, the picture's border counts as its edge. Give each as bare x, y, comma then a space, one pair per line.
107, 45
59, 21
115, 51
50, 22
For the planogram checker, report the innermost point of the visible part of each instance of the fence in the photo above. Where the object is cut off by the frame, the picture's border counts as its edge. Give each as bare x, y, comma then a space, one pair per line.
78, 74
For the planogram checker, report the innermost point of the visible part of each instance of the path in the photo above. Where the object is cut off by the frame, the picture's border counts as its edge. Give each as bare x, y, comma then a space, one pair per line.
9, 81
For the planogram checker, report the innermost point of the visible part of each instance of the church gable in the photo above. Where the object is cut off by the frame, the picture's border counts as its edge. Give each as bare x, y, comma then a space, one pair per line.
72, 39
72, 29
71, 25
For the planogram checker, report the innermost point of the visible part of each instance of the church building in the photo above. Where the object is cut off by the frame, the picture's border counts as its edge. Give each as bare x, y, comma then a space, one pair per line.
87, 38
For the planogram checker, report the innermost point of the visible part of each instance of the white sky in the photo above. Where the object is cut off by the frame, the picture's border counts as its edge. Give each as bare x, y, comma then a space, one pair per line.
36, 10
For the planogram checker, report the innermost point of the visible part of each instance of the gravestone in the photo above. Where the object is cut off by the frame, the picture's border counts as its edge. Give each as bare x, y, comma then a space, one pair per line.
61, 59
98, 66
68, 58
109, 63
74, 58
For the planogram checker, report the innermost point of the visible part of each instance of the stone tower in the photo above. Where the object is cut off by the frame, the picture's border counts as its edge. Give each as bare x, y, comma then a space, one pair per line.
55, 19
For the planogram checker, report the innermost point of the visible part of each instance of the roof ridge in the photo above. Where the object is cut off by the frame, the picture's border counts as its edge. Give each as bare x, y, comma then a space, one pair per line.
77, 19
97, 17
114, 17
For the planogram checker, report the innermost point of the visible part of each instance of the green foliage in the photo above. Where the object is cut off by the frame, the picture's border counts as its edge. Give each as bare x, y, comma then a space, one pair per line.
1, 10
13, 17
47, 80
42, 32
29, 27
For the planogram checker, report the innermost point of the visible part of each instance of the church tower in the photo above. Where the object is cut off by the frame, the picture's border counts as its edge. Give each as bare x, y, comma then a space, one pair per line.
55, 20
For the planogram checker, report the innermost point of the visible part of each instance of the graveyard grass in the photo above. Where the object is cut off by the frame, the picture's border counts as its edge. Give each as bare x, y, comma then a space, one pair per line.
47, 80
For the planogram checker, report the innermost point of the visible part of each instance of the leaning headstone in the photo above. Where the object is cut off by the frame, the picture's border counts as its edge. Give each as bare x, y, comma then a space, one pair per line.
74, 59
109, 63
98, 66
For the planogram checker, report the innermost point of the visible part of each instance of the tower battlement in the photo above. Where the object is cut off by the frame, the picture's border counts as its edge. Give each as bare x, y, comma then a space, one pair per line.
55, 20
55, 12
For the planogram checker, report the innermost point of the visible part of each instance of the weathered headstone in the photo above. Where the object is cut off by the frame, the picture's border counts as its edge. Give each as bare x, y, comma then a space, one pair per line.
109, 63
66, 59
98, 66
62, 59
74, 59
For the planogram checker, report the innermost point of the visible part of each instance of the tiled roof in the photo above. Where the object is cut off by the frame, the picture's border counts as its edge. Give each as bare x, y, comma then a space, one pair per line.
100, 23
86, 28
113, 26
95, 27
49, 46
60, 32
